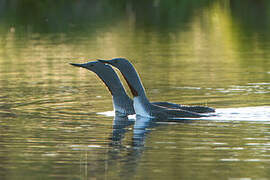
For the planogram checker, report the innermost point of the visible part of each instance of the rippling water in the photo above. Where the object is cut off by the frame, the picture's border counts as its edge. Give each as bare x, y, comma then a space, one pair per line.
56, 120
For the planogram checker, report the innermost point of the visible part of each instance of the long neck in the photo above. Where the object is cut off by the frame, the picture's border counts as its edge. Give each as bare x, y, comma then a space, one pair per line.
134, 83
113, 83
121, 101
114, 86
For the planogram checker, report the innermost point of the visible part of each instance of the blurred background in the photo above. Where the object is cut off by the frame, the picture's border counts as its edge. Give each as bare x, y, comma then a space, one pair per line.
194, 52
177, 46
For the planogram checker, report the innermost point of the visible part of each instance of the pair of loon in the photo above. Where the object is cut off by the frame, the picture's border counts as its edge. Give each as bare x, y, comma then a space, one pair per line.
140, 104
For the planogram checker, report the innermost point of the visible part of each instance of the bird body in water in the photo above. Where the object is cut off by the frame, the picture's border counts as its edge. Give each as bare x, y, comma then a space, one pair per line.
122, 103
141, 104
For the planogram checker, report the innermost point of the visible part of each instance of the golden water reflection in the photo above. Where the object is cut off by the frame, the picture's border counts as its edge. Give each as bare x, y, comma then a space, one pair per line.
208, 54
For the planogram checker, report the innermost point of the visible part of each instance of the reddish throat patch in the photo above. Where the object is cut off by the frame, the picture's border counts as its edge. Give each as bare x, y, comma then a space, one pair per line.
133, 91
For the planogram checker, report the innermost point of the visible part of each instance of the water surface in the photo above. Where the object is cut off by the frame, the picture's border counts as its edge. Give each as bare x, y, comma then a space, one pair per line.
52, 121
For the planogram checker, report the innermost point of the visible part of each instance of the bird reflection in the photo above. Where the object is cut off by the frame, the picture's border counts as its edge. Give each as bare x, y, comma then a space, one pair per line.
124, 155
142, 126
120, 124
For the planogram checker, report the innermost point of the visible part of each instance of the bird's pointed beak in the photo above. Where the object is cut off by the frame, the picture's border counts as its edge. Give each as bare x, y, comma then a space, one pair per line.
78, 65
104, 61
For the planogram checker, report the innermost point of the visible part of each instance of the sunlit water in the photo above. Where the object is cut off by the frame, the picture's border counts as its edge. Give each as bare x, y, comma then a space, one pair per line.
56, 121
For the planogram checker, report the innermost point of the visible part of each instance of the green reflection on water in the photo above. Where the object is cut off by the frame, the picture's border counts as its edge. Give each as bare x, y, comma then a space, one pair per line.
188, 52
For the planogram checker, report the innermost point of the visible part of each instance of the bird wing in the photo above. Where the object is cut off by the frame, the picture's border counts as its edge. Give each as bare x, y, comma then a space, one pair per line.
162, 112
197, 109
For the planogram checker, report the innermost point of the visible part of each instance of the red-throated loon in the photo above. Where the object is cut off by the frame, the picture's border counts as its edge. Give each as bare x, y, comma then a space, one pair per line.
121, 102
141, 104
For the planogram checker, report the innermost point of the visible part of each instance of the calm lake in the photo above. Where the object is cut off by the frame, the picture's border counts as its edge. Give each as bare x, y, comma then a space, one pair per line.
56, 120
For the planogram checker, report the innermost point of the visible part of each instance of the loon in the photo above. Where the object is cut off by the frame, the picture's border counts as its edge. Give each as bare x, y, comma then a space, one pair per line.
122, 103
141, 104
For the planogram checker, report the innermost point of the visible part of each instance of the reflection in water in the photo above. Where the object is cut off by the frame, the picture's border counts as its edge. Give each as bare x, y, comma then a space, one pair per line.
128, 157
142, 126
134, 150
213, 53
129, 160
120, 123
